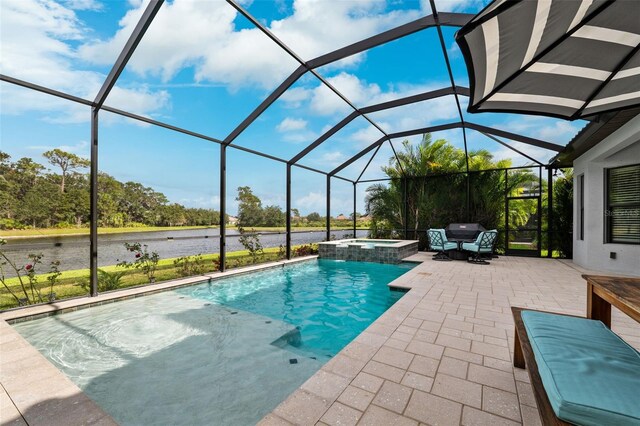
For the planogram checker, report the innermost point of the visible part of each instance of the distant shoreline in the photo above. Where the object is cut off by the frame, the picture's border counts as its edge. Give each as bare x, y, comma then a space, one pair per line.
74, 232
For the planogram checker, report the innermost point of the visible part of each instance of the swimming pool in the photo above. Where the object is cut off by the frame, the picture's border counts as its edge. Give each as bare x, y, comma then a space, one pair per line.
222, 352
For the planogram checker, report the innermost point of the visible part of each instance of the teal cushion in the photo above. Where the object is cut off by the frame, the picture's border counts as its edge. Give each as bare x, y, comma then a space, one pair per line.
592, 377
479, 237
450, 246
470, 247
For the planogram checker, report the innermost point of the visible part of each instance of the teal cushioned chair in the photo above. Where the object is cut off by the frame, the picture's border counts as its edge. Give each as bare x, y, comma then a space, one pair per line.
591, 376
482, 246
438, 242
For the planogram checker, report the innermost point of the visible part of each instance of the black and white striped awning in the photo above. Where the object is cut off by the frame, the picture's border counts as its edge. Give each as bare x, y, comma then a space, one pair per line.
562, 58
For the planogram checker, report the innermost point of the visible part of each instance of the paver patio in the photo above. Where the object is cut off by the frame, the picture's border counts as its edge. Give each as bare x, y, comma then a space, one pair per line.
442, 354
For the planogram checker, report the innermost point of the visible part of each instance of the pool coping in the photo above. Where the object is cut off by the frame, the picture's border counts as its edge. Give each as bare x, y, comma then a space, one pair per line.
29, 313
34, 391
381, 242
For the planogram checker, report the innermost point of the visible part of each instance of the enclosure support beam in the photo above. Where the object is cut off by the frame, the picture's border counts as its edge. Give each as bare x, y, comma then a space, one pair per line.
138, 32
550, 212
288, 220
93, 206
514, 137
405, 201
512, 148
354, 210
469, 197
539, 212
420, 97
328, 219
223, 207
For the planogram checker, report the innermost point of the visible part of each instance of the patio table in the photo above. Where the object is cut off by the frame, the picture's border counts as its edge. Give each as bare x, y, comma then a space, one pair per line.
604, 291
459, 254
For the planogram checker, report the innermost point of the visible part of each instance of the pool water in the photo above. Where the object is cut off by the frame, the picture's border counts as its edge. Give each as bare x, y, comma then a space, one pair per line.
224, 352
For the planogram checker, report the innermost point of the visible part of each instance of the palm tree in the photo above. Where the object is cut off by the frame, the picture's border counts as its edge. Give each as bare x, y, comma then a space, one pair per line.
436, 188
424, 159
384, 205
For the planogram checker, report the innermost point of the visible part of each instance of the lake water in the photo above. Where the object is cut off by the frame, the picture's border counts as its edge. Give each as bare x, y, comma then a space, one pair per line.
73, 251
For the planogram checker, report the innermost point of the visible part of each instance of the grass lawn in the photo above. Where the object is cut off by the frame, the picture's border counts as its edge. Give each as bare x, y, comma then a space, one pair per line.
76, 282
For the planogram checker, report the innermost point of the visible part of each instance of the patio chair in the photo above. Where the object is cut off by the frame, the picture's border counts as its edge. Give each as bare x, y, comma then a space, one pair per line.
438, 242
482, 246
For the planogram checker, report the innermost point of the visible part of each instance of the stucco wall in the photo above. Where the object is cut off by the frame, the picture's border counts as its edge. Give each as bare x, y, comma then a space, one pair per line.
619, 149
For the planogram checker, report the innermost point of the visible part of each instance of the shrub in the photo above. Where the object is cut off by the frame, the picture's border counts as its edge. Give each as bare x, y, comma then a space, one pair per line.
251, 243
306, 250
135, 225
63, 225
7, 224
143, 260
30, 289
106, 281
188, 266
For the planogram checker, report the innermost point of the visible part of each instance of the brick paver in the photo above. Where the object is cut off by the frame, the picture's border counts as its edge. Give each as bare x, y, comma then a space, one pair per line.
443, 353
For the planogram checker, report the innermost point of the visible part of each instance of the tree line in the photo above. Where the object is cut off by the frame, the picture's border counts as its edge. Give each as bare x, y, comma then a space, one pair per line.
251, 213
32, 196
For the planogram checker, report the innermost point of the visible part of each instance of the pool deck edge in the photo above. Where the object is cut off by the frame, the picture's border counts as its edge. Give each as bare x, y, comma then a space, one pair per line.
69, 305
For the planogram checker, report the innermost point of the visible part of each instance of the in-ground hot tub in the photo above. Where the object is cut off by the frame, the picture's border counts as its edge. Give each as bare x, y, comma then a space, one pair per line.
368, 250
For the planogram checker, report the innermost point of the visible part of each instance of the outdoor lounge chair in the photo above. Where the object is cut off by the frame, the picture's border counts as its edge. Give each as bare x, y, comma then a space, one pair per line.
438, 242
482, 246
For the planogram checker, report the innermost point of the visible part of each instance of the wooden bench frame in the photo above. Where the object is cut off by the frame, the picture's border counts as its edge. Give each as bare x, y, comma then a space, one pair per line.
523, 357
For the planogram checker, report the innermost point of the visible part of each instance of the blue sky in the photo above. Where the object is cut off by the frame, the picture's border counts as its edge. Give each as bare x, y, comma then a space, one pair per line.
204, 67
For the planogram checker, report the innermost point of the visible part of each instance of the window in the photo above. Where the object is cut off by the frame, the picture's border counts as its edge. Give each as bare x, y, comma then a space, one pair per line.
623, 205
581, 207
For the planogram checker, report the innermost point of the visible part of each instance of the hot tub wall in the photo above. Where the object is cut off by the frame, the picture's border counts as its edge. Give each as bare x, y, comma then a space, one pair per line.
361, 253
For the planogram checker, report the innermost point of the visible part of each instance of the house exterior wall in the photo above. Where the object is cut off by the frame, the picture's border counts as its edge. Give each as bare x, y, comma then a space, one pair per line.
619, 149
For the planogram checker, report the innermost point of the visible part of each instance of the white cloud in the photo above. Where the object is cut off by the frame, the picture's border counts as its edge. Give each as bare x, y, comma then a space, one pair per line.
544, 128
417, 115
540, 154
324, 102
454, 51
334, 158
292, 124
37, 38
472, 6
92, 5
296, 96
559, 131
201, 202
82, 147
300, 137
220, 53
313, 201
366, 136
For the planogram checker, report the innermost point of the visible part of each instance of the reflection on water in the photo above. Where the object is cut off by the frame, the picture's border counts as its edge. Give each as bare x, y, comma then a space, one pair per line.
73, 252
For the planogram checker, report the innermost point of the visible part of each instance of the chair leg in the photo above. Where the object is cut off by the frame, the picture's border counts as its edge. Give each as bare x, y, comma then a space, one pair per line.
477, 259
442, 256
518, 356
